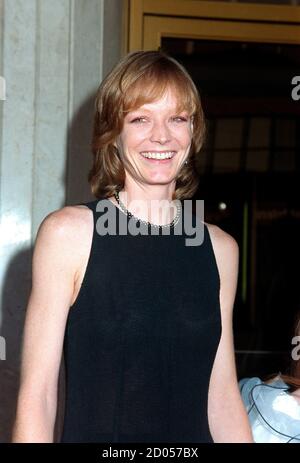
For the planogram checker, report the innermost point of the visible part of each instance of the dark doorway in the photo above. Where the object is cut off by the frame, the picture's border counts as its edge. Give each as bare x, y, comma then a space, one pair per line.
249, 178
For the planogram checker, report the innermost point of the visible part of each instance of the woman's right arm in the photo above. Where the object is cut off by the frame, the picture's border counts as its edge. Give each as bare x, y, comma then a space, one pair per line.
54, 275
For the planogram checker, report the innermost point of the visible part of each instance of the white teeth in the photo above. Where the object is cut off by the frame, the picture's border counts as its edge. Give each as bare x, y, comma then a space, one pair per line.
150, 155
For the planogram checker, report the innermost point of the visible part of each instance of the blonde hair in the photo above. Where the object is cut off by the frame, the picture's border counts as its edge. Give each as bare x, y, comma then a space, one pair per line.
140, 78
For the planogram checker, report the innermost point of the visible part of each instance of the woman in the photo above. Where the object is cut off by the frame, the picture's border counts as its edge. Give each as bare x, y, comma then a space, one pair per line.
274, 405
139, 317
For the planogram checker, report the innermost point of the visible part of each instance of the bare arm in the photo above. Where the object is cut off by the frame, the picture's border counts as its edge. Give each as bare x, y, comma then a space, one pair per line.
54, 276
227, 416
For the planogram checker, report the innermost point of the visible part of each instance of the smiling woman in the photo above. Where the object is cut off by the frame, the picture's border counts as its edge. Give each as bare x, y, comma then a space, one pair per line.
154, 93
145, 321
155, 141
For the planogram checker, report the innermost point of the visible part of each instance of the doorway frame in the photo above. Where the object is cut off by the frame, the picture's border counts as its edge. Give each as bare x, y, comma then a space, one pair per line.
148, 21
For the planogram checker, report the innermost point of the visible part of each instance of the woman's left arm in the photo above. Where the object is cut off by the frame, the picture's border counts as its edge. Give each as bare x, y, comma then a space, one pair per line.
227, 415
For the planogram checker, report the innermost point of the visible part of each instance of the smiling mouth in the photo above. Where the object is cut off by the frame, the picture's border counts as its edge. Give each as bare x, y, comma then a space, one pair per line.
159, 155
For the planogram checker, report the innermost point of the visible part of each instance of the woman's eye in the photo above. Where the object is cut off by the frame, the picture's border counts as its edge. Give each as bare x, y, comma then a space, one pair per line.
138, 120
179, 119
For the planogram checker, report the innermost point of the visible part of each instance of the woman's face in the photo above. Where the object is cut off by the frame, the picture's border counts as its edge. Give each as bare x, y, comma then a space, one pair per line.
155, 141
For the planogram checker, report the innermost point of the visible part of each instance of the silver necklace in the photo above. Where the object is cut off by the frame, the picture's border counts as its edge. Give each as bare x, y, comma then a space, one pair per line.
130, 215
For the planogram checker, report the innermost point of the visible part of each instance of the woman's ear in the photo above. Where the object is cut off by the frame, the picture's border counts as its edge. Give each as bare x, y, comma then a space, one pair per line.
115, 144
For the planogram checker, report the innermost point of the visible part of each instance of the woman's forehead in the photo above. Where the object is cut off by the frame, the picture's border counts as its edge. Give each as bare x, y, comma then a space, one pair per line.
168, 101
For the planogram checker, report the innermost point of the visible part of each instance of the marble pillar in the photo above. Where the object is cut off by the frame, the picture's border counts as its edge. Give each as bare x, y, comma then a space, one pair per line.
52, 56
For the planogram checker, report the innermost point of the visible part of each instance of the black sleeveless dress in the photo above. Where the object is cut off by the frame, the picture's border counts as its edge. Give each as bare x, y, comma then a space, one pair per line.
141, 338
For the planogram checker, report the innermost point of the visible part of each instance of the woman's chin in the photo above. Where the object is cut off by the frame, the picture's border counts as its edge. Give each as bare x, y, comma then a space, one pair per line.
160, 180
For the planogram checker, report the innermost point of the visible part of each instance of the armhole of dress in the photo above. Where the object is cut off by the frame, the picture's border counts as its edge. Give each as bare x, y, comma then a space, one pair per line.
90, 205
210, 245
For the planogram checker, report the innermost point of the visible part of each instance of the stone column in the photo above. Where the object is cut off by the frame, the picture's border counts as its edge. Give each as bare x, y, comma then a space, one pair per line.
52, 56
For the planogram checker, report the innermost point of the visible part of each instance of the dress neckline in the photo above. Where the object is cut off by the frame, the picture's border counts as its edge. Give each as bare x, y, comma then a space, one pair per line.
170, 225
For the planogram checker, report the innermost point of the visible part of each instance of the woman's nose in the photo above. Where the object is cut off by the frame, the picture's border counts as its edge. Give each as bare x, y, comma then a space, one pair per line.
160, 133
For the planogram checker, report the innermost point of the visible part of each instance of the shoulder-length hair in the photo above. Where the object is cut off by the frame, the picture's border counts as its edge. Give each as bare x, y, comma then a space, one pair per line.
139, 78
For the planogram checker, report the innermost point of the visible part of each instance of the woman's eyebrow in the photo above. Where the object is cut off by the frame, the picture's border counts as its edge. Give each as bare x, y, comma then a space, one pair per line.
141, 108
150, 110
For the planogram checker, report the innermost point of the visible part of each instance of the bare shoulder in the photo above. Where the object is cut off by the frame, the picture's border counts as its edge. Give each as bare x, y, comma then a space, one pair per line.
67, 225
223, 242
62, 246
226, 252
67, 221
65, 236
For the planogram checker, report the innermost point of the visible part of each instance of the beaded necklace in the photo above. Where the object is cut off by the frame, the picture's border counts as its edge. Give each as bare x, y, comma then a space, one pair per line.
130, 215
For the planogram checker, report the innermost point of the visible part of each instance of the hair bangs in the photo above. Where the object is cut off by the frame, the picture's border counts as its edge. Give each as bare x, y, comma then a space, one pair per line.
153, 85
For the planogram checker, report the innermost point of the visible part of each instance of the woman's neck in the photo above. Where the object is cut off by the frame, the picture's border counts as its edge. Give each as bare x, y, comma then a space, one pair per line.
152, 205
296, 395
